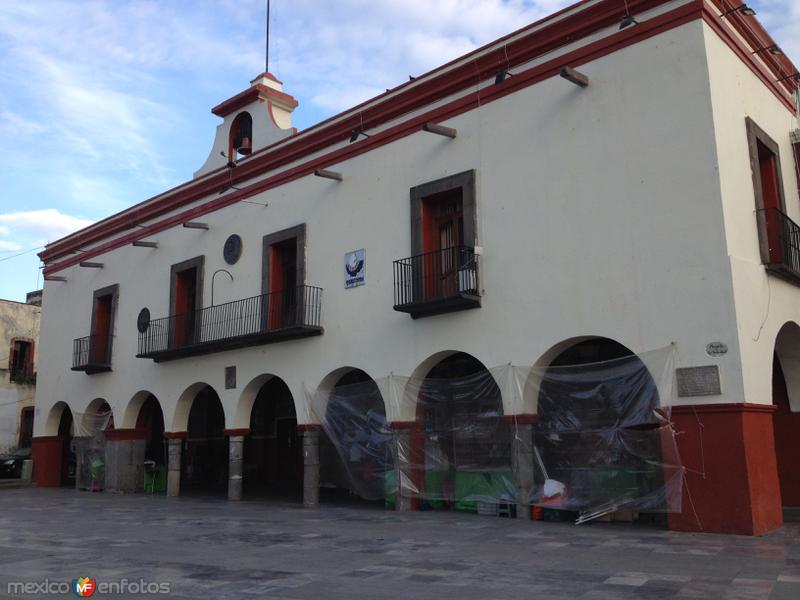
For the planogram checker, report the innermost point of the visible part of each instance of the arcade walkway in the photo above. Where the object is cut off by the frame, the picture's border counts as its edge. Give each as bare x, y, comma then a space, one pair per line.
210, 548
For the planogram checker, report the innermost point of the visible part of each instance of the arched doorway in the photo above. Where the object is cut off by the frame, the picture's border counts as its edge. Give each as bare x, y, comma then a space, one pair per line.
150, 421
461, 445
53, 453
66, 429
272, 457
89, 445
599, 440
204, 468
355, 447
786, 419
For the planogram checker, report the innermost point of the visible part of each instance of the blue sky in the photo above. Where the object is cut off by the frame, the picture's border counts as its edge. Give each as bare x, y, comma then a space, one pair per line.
106, 103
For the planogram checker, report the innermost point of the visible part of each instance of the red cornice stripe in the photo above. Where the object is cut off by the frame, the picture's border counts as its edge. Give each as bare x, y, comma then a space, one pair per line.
251, 95
411, 97
726, 34
622, 39
757, 37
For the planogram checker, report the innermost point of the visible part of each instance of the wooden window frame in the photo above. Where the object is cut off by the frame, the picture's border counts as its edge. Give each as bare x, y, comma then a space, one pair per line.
113, 291
756, 135
30, 360
198, 263
297, 232
464, 181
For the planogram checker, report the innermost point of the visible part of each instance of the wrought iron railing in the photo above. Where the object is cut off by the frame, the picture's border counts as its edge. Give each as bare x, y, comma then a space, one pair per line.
783, 237
298, 307
92, 350
437, 275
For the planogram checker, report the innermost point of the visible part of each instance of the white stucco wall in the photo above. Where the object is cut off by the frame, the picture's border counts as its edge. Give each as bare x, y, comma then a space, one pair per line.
764, 303
599, 212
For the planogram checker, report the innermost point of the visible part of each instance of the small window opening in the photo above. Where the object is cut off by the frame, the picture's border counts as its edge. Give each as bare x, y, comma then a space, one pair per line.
21, 362
241, 136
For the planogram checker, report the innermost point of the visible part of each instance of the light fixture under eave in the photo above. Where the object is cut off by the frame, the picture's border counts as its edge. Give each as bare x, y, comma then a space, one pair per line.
628, 21
742, 8
795, 77
501, 76
775, 50
356, 133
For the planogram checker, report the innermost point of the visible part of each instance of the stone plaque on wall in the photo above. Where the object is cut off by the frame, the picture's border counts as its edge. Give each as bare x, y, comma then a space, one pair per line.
230, 378
698, 381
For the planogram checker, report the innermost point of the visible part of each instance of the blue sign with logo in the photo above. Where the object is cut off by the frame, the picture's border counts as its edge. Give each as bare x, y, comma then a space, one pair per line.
355, 268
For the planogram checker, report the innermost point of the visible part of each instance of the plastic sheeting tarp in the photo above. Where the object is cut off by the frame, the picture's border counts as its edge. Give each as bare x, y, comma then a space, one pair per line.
601, 439
88, 446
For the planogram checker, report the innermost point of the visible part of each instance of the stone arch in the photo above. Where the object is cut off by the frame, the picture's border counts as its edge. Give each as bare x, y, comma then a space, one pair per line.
131, 413
356, 445
244, 407
272, 459
51, 427
787, 351
579, 402
89, 419
459, 426
785, 397
180, 418
54, 459
406, 400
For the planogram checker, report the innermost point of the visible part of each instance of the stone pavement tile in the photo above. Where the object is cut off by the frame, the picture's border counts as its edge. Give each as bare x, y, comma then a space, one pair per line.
785, 591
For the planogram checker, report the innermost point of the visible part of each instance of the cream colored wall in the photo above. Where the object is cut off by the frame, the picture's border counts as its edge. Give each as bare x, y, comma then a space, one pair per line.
598, 210
17, 320
763, 303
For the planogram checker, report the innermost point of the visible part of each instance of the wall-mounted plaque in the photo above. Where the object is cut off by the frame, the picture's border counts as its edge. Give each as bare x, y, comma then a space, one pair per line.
698, 381
143, 320
355, 268
230, 378
716, 349
232, 249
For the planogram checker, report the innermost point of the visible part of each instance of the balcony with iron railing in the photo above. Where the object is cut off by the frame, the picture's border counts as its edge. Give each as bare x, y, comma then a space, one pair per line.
780, 243
437, 282
92, 354
285, 315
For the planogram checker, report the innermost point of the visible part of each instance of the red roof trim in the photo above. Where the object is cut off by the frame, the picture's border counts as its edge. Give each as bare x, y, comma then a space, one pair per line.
612, 43
758, 37
250, 95
768, 78
323, 135
327, 133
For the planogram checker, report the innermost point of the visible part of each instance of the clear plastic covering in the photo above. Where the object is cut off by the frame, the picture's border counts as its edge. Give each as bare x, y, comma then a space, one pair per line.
88, 447
593, 438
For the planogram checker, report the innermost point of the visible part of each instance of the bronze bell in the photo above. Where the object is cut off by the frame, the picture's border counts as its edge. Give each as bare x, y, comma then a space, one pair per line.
246, 147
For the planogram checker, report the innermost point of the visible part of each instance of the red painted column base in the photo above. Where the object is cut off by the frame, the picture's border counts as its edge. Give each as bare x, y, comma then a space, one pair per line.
731, 483
47, 454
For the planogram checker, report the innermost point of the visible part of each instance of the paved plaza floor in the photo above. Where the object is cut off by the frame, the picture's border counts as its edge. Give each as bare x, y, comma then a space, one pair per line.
210, 548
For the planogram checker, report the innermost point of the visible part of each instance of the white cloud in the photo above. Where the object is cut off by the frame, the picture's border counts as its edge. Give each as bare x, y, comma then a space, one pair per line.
49, 224
9, 246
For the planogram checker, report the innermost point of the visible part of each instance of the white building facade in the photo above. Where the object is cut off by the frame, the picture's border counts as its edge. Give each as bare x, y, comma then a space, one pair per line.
646, 198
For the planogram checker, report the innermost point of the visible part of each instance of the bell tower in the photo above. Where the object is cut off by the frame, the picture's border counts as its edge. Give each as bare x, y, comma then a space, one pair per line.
253, 119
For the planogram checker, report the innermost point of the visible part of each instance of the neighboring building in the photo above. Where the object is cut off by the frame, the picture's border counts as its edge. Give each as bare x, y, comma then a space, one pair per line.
19, 336
646, 198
